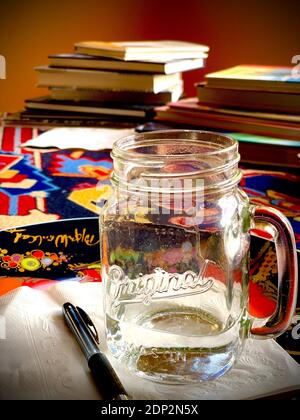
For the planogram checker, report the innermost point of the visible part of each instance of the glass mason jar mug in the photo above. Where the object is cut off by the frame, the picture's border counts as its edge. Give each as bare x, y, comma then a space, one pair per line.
175, 239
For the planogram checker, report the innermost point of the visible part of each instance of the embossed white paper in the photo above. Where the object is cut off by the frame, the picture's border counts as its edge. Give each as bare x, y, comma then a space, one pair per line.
79, 138
40, 359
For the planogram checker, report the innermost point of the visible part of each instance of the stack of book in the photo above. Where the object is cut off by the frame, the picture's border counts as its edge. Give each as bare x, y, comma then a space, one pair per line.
264, 88
112, 81
258, 104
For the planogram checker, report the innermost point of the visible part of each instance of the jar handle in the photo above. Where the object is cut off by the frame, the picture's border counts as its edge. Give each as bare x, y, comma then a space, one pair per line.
271, 224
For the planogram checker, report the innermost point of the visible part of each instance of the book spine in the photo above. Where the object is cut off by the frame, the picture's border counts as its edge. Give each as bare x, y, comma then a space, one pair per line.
108, 80
264, 130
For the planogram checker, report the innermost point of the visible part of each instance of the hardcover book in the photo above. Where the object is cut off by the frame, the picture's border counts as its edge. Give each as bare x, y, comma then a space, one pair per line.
48, 119
102, 108
97, 79
85, 61
143, 50
249, 99
192, 104
269, 78
119, 96
208, 119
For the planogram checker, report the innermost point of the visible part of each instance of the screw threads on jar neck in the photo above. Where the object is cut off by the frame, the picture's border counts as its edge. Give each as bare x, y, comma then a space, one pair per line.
176, 160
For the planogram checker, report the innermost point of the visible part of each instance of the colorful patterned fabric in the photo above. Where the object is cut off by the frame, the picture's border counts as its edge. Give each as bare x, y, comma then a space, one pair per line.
45, 184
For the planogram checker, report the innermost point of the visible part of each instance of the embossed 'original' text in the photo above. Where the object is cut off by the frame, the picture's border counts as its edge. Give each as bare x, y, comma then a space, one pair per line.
158, 285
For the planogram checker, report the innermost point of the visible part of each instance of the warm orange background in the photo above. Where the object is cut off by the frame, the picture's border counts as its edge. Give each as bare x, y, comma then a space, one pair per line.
249, 32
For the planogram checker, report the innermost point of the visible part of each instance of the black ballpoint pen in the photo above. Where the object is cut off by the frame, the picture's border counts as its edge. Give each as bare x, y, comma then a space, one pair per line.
85, 332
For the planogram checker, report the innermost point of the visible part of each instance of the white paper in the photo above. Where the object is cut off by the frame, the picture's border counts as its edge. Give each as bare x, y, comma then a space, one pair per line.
79, 138
40, 359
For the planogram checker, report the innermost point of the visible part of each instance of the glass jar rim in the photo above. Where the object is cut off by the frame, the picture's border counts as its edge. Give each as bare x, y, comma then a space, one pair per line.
124, 147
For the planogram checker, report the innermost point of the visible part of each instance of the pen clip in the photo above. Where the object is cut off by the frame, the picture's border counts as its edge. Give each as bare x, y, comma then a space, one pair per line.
89, 323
